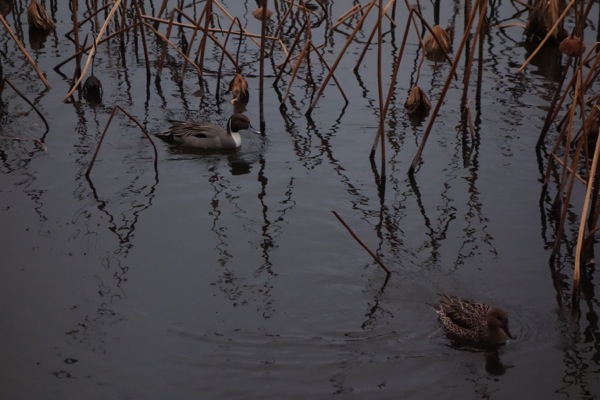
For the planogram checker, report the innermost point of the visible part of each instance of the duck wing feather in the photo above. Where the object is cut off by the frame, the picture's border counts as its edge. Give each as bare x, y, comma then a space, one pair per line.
464, 313
186, 129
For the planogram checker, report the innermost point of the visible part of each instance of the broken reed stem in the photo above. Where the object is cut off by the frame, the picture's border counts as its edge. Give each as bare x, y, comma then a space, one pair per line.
556, 105
172, 45
338, 59
371, 36
280, 25
355, 236
86, 48
116, 5
192, 38
295, 70
261, 82
202, 48
469, 63
211, 30
554, 109
567, 133
166, 40
305, 50
353, 10
25, 53
76, 35
138, 13
380, 89
238, 70
548, 36
583, 221
162, 9
246, 33
289, 55
440, 101
101, 140
337, 83
212, 37
17, 91
37, 142
560, 162
86, 19
393, 82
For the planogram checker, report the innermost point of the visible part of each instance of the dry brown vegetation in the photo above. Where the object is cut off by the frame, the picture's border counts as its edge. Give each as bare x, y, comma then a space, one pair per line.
568, 138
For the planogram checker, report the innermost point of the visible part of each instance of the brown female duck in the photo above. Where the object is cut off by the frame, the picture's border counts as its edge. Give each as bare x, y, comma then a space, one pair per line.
477, 323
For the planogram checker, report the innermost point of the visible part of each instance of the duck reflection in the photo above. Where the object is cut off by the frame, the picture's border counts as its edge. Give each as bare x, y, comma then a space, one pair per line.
493, 364
491, 354
239, 163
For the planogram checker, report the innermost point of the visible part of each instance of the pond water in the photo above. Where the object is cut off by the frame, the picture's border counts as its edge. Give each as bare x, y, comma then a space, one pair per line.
228, 276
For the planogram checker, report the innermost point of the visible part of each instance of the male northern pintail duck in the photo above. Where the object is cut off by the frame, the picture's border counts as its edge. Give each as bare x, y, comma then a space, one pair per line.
202, 135
475, 322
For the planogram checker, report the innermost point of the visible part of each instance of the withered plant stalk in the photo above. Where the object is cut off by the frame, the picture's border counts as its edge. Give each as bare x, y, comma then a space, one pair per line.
363, 244
438, 105
101, 140
261, 82
339, 58
583, 221
24, 51
88, 63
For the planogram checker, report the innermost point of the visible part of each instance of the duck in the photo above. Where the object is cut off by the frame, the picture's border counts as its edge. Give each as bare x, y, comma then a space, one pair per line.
206, 136
471, 321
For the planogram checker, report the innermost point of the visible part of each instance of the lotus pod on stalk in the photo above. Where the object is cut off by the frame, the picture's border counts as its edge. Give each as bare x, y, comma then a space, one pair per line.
437, 48
92, 89
241, 96
572, 46
592, 124
258, 13
417, 101
38, 17
5, 7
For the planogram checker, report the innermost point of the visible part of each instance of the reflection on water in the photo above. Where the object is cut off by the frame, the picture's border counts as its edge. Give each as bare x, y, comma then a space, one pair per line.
216, 268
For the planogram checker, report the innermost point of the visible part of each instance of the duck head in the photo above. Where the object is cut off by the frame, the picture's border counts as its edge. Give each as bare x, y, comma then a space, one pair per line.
238, 122
497, 322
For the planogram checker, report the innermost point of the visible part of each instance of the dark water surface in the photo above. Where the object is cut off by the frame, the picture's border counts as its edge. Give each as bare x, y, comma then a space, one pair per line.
227, 276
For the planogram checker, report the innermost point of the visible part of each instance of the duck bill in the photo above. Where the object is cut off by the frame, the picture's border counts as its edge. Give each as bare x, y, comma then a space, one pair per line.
254, 130
510, 335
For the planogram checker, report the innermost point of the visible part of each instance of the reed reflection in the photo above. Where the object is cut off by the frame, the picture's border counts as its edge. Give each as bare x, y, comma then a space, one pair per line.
240, 281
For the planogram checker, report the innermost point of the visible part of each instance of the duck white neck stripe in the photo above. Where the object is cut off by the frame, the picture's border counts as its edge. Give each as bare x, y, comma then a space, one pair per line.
236, 138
